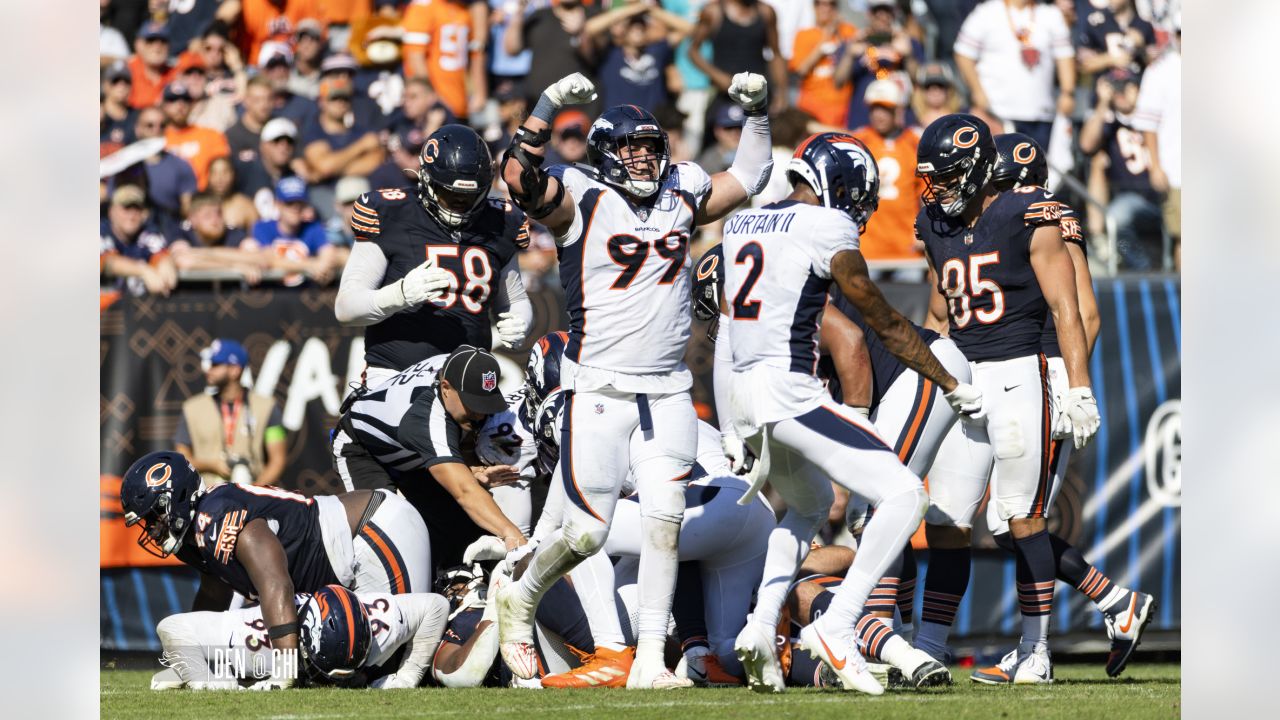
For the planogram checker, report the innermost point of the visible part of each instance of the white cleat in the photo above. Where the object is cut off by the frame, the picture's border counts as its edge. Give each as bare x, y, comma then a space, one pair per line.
515, 632
754, 648
1035, 668
1125, 626
654, 675
924, 671
167, 679
842, 657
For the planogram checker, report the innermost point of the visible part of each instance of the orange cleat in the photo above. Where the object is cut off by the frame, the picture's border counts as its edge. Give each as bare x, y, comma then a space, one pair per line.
606, 668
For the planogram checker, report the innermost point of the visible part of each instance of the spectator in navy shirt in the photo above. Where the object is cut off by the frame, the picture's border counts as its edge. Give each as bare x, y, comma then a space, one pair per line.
206, 243
132, 249
636, 66
1134, 204
402, 152
170, 180
118, 118
257, 178
336, 144
883, 49
1115, 37
277, 68
569, 137
291, 243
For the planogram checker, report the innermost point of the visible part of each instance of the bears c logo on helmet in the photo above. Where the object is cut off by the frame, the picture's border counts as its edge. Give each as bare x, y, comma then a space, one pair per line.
708, 265
1024, 153
430, 151
156, 481
965, 137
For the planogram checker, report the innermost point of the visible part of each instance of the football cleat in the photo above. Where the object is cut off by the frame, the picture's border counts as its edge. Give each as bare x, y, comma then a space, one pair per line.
167, 679
654, 675
705, 670
927, 672
999, 674
515, 632
841, 656
754, 648
1035, 668
605, 668
1125, 627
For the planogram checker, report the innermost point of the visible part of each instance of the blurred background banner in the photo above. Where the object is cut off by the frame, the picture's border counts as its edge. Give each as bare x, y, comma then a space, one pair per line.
1120, 503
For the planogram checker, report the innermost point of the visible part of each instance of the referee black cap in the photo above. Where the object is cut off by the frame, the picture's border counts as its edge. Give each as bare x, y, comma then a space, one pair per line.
474, 374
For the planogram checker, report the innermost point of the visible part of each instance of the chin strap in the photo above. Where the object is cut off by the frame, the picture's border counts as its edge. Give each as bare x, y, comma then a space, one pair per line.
533, 180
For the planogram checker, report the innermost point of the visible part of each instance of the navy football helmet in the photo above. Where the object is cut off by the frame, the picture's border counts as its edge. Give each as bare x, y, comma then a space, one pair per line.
708, 284
1019, 161
955, 158
841, 172
159, 491
626, 126
455, 171
334, 635
542, 368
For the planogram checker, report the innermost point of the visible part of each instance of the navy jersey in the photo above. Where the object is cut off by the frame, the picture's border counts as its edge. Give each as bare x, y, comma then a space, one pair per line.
1128, 160
885, 367
1100, 31
225, 510
474, 255
1071, 233
993, 298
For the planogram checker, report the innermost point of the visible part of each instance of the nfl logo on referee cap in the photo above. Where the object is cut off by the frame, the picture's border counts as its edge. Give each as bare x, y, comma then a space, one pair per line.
489, 381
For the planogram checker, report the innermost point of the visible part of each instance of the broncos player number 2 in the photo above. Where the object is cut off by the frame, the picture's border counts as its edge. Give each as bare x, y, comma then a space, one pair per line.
475, 285
961, 285
745, 308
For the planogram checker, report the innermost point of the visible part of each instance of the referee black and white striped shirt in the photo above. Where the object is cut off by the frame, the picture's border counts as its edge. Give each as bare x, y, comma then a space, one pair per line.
403, 422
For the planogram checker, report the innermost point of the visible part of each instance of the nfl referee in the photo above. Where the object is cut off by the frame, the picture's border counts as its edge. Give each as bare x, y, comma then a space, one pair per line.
409, 434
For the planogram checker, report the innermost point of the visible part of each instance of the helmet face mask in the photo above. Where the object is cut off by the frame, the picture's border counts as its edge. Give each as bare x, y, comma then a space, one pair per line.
159, 493
945, 190
955, 158
630, 149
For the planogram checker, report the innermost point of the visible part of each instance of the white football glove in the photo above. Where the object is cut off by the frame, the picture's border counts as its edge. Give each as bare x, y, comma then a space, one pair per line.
283, 683
573, 89
863, 411
511, 330
508, 564
1082, 412
749, 90
391, 682
486, 547
425, 283
739, 455
966, 400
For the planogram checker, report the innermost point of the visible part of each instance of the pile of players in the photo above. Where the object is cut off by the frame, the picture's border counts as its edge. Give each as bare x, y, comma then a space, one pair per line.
655, 561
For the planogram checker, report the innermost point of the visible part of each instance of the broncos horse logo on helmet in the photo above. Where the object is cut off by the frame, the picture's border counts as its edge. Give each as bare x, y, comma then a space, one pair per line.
629, 128
1019, 161
842, 173
159, 491
334, 633
455, 171
955, 158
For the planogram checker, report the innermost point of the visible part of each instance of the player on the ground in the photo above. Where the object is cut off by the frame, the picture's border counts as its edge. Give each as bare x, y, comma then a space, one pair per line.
408, 434
781, 261
342, 632
266, 543
622, 226
432, 262
1001, 267
1021, 162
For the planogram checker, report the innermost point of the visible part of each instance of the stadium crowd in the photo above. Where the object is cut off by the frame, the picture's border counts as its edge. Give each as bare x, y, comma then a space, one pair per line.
237, 135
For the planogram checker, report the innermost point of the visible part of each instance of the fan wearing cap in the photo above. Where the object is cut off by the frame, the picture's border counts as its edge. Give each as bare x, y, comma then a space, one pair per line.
890, 235
258, 171
150, 66
434, 265
291, 242
197, 145
338, 229
569, 137
117, 120
133, 249
226, 432
881, 50
308, 53
726, 126
935, 94
409, 432
265, 24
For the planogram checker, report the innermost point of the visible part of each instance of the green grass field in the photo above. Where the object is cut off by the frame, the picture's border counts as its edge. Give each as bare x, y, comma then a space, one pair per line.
1081, 691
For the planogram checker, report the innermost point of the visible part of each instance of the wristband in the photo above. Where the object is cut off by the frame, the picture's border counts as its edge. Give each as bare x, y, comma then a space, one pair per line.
545, 109
282, 630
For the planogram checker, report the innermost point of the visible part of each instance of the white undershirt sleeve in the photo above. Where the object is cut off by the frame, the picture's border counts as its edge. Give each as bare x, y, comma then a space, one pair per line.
362, 300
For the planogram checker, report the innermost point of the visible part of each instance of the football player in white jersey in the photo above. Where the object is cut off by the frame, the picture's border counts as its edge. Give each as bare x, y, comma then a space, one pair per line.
780, 262
622, 227
340, 632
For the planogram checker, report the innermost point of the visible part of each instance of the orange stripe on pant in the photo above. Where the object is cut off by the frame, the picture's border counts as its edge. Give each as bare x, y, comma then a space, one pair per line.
389, 557
920, 411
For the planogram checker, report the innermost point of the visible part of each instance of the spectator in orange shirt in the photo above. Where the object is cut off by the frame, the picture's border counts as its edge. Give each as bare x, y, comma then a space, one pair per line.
890, 235
150, 66
437, 46
813, 60
272, 22
197, 145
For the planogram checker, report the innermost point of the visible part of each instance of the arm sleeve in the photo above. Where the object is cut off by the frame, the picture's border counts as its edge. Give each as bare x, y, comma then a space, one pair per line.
753, 162
722, 375
427, 615
510, 294
361, 298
